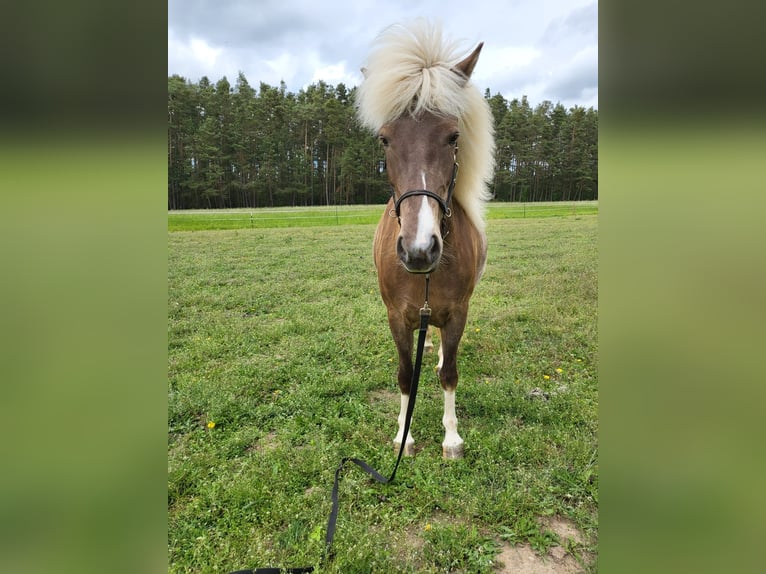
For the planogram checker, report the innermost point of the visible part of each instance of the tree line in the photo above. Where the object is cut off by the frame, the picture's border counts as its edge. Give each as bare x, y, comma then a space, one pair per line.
235, 146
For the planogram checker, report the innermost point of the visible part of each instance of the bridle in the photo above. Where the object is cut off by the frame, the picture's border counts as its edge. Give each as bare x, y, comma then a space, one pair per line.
444, 205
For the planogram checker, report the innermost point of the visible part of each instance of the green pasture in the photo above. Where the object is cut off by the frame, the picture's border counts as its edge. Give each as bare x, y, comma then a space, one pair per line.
281, 363
347, 214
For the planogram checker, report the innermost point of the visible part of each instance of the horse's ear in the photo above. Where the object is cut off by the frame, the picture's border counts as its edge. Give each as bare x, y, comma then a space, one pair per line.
364, 72
465, 68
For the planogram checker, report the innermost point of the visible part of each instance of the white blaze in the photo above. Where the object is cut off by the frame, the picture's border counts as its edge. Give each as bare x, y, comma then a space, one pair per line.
426, 225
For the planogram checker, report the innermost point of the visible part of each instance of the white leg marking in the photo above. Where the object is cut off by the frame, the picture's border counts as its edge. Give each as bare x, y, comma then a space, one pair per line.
441, 355
452, 447
410, 443
429, 344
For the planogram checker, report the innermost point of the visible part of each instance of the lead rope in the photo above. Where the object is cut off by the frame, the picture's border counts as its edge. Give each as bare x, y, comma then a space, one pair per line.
425, 315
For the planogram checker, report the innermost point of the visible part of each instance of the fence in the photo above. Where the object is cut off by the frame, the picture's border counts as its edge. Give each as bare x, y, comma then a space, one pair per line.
350, 214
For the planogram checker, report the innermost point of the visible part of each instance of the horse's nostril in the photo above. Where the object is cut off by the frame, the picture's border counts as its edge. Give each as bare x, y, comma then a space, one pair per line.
434, 247
400, 251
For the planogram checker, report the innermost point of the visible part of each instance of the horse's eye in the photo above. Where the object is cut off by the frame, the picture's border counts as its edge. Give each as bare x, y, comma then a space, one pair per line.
384, 141
453, 138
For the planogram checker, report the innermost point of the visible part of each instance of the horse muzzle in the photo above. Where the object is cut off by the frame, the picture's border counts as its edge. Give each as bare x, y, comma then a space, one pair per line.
421, 255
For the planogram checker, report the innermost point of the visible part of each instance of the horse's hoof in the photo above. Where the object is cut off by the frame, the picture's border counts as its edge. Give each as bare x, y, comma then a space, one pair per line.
409, 448
452, 452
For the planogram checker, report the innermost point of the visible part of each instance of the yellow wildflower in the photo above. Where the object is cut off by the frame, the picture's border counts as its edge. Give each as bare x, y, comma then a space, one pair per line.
210, 424
546, 377
428, 526
559, 371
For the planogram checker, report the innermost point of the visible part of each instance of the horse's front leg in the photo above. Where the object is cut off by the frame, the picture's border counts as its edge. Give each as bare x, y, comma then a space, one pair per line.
428, 346
450, 334
403, 339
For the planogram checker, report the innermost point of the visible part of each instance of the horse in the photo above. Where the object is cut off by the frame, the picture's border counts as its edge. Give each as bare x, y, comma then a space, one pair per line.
417, 97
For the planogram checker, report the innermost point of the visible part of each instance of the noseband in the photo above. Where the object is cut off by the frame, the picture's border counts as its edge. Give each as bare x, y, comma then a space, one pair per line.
444, 205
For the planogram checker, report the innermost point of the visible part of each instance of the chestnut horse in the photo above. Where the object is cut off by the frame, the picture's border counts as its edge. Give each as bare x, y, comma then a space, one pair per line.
417, 97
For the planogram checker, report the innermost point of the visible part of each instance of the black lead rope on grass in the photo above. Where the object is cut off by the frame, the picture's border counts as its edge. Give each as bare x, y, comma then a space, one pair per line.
425, 315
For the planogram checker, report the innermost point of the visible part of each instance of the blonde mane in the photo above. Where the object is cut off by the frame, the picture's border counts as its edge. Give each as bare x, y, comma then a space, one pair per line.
411, 70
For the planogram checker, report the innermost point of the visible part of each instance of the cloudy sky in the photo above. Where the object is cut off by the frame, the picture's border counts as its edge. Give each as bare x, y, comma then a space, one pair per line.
544, 49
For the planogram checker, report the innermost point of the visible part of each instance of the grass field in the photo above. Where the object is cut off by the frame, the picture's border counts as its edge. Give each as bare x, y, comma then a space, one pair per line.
281, 363
192, 220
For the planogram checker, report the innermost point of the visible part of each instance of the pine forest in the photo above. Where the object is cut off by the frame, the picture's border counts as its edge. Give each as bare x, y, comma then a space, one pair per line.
235, 146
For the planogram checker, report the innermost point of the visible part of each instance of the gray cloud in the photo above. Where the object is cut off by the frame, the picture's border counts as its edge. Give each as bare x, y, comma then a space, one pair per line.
576, 81
531, 48
580, 22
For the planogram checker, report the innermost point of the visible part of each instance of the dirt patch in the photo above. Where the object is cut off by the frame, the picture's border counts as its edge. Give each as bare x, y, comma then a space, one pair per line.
522, 559
266, 443
385, 397
312, 491
564, 528
405, 545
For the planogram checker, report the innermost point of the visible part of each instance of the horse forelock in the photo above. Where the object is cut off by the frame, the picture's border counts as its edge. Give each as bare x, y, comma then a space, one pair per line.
411, 70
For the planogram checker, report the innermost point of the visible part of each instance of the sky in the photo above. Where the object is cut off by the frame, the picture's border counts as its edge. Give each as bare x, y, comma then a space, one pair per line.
544, 49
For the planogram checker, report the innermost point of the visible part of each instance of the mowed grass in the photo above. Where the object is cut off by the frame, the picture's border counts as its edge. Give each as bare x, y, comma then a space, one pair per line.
278, 340
262, 218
